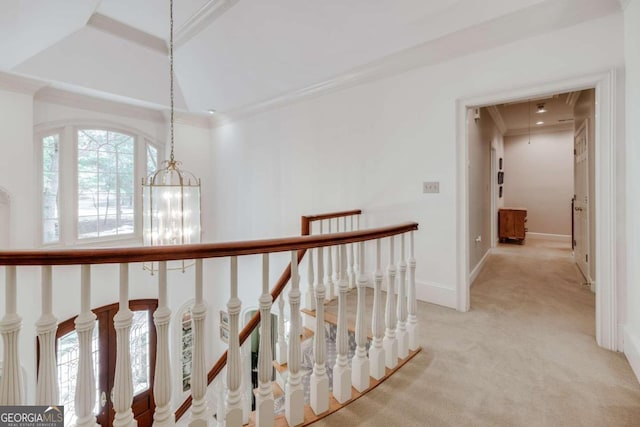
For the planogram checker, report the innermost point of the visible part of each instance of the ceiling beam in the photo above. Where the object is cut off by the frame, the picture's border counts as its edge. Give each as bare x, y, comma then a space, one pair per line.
562, 127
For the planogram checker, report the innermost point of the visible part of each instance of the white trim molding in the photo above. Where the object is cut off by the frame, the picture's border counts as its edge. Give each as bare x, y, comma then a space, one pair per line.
607, 332
20, 84
497, 119
478, 268
546, 236
632, 350
200, 20
435, 293
560, 127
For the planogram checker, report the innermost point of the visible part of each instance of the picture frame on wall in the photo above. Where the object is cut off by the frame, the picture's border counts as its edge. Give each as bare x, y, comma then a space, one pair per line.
500, 163
500, 192
500, 178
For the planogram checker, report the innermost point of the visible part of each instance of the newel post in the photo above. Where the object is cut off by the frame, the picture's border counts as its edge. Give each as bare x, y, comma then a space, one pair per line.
233, 416
47, 386
360, 364
294, 392
401, 331
163, 415
412, 326
85, 393
390, 343
376, 352
122, 395
319, 381
11, 381
341, 370
264, 393
199, 411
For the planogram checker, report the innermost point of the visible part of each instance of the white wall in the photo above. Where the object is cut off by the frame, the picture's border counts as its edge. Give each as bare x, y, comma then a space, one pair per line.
482, 136
539, 177
371, 146
632, 55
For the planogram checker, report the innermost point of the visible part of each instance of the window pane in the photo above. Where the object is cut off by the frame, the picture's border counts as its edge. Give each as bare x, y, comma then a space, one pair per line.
50, 182
152, 159
139, 349
68, 357
105, 183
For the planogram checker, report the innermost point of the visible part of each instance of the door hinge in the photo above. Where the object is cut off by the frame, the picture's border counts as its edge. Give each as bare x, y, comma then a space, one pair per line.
574, 152
586, 257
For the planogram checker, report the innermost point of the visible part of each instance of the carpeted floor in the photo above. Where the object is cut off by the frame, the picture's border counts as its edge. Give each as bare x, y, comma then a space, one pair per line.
525, 355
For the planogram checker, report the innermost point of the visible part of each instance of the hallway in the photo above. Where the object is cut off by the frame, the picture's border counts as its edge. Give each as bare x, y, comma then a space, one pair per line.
525, 355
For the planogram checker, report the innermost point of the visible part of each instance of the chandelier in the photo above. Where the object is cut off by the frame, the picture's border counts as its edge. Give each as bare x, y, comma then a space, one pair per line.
170, 196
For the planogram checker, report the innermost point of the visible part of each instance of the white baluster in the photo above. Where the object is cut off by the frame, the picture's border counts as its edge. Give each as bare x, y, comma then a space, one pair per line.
281, 350
122, 394
85, 397
351, 261
163, 415
412, 326
401, 330
199, 412
264, 394
328, 277
376, 351
11, 380
390, 343
294, 392
47, 386
341, 370
319, 382
233, 416
360, 363
310, 302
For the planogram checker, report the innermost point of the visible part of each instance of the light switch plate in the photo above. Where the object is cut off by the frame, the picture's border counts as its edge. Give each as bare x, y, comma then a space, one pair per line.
431, 187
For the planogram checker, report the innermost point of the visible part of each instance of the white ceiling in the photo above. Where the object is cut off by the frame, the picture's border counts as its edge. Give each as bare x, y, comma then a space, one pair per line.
523, 116
234, 54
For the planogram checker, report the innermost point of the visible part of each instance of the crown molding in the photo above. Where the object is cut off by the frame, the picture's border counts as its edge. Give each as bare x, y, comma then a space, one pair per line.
126, 32
194, 120
561, 127
206, 15
497, 119
97, 104
572, 98
624, 4
15, 83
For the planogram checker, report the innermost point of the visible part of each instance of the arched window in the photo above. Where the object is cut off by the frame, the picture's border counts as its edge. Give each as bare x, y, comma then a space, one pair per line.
88, 182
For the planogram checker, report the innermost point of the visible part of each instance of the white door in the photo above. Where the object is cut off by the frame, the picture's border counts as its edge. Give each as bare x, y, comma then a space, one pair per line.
581, 203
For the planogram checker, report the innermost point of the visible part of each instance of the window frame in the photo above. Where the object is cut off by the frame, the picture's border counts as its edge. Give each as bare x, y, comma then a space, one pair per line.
68, 180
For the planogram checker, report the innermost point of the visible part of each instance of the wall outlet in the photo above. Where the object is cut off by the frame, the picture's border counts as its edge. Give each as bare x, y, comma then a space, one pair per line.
431, 187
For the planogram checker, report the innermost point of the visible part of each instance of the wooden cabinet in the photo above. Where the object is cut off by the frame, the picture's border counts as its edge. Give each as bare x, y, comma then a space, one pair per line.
511, 223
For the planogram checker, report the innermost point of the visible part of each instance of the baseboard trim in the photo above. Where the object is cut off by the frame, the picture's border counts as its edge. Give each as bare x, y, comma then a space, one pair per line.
546, 236
436, 293
632, 351
478, 268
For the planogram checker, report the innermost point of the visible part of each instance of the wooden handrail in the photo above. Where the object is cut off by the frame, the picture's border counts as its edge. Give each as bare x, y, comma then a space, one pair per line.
210, 250
306, 220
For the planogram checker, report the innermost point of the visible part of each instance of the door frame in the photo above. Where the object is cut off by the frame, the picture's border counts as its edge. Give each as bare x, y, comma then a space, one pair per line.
607, 328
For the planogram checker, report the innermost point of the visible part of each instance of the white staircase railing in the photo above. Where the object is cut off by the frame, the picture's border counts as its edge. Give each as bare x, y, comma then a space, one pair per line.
344, 254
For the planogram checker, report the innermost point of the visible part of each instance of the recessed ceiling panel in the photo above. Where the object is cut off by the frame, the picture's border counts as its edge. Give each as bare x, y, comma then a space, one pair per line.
150, 16
30, 26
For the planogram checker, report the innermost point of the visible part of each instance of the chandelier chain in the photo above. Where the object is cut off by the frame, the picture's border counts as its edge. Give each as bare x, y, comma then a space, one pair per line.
171, 71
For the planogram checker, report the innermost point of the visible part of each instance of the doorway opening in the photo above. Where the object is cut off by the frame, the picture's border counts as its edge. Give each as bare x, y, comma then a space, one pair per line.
603, 203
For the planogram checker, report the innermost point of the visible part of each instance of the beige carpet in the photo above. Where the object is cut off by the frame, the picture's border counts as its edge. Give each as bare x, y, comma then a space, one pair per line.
525, 355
